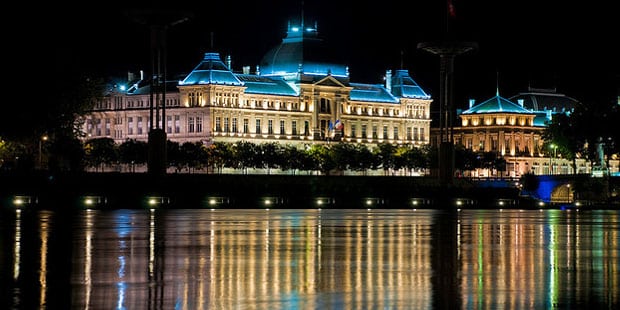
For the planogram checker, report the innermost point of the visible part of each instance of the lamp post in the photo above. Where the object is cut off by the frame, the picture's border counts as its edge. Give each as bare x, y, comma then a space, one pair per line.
43, 138
555, 152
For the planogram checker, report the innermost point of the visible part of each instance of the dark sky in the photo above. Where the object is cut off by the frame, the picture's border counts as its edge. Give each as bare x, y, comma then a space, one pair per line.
545, 44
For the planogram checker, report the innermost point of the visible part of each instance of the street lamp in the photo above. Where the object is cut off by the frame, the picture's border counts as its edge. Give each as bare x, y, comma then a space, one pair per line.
555, 153
43, 138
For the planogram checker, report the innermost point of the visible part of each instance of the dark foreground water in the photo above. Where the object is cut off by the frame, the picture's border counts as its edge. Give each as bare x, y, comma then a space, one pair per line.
310, 259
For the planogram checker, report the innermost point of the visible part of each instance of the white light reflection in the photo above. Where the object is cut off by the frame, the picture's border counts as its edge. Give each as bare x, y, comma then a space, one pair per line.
152, 243
121, 285
17, 244
88, 256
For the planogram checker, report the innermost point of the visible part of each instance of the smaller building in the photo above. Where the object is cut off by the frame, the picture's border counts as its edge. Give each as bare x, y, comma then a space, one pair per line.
513, 129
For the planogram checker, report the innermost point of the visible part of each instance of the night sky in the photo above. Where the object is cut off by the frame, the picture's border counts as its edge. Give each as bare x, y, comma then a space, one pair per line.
542, 44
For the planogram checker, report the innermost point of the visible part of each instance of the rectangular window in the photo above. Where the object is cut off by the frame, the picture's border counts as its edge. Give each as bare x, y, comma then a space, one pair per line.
226, 124
190, 124
282, 127
177, 124
395, 133
294, 127
416, 135
306, 128
409, 133
258, 126
140, 125
364, 131
353, 131
422, 134
218, 124
98, 127
198, 124
270, 127
385, 132
107, 126
246, 126
375, 135
234, 125
129, 125
168, 124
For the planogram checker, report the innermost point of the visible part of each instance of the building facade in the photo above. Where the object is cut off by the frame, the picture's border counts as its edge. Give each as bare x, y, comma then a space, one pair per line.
293, 97
513, 128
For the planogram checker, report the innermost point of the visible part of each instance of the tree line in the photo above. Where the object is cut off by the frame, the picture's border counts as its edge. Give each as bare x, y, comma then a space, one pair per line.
326, 159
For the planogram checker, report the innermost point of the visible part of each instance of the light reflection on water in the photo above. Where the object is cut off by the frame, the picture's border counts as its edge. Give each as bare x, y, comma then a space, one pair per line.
310, 259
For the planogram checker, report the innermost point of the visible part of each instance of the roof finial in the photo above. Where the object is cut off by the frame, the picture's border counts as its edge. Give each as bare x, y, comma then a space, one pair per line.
302, 15
497, 84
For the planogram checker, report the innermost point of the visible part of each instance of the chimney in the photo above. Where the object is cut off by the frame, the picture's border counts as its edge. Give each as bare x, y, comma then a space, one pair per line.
388, 80
257, 70
471, 102
246, 69
229, 62
141, 75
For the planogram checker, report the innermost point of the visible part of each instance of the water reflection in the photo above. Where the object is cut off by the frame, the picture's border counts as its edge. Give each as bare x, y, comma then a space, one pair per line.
312, 259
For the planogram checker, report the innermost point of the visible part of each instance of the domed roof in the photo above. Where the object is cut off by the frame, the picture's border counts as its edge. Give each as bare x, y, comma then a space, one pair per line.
537, 99
301, 52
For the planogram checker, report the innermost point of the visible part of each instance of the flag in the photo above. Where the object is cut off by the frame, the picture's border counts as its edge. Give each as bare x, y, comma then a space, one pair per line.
339, 125
331, 126
451, 9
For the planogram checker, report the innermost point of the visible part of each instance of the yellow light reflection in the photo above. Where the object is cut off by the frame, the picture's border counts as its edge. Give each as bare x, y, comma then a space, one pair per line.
44, 222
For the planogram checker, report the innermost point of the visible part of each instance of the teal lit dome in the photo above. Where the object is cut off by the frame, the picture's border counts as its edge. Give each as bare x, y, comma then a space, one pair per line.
301, 52
538, 99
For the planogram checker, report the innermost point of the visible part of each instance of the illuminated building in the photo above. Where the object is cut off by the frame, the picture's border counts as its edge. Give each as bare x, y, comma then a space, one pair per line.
513, 129
293, 96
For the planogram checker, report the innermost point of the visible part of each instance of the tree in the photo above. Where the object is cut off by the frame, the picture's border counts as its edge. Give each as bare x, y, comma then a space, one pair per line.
321, 158
133, 152
385, 156
100, 151
563, 136
464, 158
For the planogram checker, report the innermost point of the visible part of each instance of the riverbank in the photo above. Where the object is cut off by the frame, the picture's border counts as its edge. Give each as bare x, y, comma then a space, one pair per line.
139, 190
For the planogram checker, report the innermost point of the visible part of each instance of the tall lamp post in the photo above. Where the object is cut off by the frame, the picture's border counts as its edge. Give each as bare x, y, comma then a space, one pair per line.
43, 139
555, 152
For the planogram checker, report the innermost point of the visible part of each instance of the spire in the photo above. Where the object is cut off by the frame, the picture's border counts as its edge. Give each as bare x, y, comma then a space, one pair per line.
497, 84
302, 15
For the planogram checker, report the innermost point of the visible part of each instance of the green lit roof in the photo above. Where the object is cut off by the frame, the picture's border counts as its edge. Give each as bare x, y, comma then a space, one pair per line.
372, 93
404, 86
211, 70
302, 51
262, 85
497, 104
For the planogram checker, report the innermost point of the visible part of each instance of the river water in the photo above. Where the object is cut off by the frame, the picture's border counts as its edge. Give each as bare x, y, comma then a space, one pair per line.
310, 259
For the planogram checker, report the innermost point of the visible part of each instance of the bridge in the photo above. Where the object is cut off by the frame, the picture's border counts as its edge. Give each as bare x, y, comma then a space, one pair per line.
571, 188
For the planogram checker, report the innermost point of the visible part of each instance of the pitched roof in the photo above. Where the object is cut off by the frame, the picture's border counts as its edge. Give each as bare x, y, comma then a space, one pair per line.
262, 85
211, 70
372, 93
404, 86
497, 104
